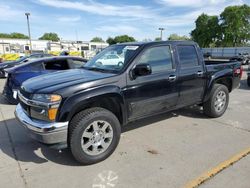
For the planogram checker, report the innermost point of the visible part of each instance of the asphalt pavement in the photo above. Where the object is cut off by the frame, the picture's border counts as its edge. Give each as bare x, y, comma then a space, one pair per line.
168, 150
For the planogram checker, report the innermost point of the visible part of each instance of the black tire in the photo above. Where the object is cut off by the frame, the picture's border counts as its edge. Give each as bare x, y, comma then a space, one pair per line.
209, 108
78, 125
248, 81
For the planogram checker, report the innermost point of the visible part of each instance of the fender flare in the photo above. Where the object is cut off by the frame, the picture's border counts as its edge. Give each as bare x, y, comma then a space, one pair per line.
83, 99
224, 74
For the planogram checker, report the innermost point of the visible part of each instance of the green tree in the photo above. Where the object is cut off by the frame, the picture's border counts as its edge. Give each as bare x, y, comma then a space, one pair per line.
207, 30
97, 39
232, 28
124, 38
120, 39
110, 41
14, 35
18, 36
50, 36
4, 35
174, 36
235, 25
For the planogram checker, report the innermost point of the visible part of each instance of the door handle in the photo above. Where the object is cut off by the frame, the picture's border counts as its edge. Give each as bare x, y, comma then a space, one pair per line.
199, 73
172, 78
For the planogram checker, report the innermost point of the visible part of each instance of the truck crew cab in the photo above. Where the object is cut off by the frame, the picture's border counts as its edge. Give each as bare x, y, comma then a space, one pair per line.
84, 109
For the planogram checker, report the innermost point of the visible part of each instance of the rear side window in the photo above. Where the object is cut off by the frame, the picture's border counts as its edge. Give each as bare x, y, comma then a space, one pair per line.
37, 66
159, 58
75, 63
187, 56
56, 65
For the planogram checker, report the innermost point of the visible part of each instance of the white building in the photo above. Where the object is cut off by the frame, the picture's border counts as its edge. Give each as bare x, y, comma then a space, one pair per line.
87, 49
21, 45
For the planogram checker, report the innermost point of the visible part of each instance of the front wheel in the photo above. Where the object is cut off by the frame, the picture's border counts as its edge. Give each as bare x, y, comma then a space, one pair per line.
218, 101
93, 135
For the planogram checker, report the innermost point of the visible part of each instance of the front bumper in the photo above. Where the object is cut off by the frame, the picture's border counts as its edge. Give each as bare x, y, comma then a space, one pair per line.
44, 132
2, 74
9, 95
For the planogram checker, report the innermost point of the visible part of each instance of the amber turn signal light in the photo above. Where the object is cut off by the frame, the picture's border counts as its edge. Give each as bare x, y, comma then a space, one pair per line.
52, 113
55, 98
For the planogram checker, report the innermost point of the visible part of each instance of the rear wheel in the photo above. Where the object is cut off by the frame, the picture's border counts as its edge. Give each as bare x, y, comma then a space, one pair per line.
93, 135
218, 101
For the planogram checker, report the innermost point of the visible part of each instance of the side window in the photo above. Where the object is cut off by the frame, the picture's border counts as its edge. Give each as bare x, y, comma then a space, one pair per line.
113, 57
159, 58
56, 65
35, 56
38, 66
187, 56
75, 63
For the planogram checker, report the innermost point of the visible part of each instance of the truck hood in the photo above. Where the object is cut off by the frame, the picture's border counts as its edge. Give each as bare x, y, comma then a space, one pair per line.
55, 81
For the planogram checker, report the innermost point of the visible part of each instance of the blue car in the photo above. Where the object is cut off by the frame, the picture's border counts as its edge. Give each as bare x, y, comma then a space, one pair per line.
24, 59
17, 75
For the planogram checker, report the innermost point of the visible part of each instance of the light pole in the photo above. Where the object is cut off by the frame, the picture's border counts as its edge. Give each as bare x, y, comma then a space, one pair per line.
28, 23
161, 29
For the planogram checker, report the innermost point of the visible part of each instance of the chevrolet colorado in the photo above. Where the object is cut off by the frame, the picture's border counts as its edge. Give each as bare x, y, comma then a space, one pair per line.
84, 109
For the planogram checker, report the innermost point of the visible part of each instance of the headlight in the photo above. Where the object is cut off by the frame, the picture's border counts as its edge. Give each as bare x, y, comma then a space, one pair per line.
47, 98
53, 102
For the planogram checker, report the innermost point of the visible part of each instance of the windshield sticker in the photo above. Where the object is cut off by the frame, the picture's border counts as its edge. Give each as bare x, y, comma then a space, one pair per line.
131, 47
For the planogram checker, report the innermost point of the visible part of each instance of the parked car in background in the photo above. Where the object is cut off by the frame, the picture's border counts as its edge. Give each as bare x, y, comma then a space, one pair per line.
19, 61
110, 59
245, 58
17, 75
242, 57
85, 109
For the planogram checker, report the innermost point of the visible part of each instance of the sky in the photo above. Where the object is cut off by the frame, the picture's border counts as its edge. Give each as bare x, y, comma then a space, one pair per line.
85, 19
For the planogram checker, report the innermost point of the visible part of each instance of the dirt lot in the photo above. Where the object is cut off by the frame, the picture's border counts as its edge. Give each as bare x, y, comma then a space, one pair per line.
170, 150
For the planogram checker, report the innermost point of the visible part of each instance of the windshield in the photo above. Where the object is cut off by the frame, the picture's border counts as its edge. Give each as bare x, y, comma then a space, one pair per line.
21, 59
112, 59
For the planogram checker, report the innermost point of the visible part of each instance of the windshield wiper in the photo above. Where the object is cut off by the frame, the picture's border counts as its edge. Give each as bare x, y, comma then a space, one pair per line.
98, 69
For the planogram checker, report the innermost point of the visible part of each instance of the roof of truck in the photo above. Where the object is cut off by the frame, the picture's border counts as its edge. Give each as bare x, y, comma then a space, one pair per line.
184, 42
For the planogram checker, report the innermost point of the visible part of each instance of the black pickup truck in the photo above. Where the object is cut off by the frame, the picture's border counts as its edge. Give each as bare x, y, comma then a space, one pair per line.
84, 109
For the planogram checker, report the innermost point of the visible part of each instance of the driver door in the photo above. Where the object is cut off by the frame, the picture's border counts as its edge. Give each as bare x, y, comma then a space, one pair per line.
154, 93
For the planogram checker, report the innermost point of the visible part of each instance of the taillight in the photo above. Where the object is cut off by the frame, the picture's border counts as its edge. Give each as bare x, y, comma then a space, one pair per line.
238, 71
241, 71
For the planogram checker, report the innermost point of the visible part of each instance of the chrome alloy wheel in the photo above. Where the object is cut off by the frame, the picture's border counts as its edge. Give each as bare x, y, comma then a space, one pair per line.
220, 101
97, 137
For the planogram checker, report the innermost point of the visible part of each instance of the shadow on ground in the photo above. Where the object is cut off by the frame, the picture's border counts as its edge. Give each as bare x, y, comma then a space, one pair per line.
22, 148
3, 100
192, 111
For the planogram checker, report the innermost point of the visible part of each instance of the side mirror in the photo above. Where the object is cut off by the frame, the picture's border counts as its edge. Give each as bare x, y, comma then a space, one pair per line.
141, 70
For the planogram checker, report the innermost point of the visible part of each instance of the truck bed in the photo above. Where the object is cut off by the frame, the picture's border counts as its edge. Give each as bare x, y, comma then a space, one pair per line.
218, 61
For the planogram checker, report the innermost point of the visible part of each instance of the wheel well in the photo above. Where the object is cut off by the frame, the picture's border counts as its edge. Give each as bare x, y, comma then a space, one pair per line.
225, 81
110, 103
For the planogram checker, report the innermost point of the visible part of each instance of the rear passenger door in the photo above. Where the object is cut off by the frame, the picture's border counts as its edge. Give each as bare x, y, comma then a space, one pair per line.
191, 75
